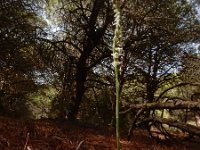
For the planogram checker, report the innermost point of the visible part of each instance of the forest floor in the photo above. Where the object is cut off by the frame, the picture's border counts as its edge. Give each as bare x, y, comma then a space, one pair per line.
20, 134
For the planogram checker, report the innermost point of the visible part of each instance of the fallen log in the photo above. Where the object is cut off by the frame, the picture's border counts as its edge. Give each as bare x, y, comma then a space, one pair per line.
193, 130
166, 105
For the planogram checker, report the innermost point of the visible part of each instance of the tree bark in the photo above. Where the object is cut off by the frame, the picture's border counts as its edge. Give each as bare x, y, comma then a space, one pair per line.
173, 123
92, 39
167, 105
80, 88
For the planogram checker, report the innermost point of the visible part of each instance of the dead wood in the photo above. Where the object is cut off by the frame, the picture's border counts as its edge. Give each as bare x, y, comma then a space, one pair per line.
194, 130
166, 105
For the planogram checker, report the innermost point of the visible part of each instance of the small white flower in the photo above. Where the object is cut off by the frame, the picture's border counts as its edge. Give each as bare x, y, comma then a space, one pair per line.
115, 55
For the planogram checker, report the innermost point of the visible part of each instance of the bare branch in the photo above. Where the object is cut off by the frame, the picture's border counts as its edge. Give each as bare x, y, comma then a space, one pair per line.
173, 123
167, 105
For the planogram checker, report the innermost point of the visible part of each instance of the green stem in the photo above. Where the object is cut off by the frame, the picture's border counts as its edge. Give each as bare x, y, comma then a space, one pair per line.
117, 84
117, 48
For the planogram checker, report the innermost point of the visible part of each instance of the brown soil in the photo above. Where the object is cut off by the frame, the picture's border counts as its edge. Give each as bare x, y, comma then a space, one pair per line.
18, 134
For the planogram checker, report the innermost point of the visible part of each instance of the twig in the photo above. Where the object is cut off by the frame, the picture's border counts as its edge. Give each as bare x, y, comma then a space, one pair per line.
27, 139
60, 138
80, 144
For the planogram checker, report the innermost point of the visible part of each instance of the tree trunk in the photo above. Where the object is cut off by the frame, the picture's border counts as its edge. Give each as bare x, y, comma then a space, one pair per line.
80, 88
93, 37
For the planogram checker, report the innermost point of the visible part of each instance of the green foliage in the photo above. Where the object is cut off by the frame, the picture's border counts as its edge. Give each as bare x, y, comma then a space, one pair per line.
59, 107
191, 69
97, 107
50, 9
14, 105
74, 64
133, 92
155, 42
104, 105
40, 102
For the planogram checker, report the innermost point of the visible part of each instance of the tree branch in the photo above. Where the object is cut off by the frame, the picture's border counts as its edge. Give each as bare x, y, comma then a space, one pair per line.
173, 123
167, 105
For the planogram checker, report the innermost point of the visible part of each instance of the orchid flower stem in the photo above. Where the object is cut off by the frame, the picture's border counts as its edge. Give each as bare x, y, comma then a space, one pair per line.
117, 48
